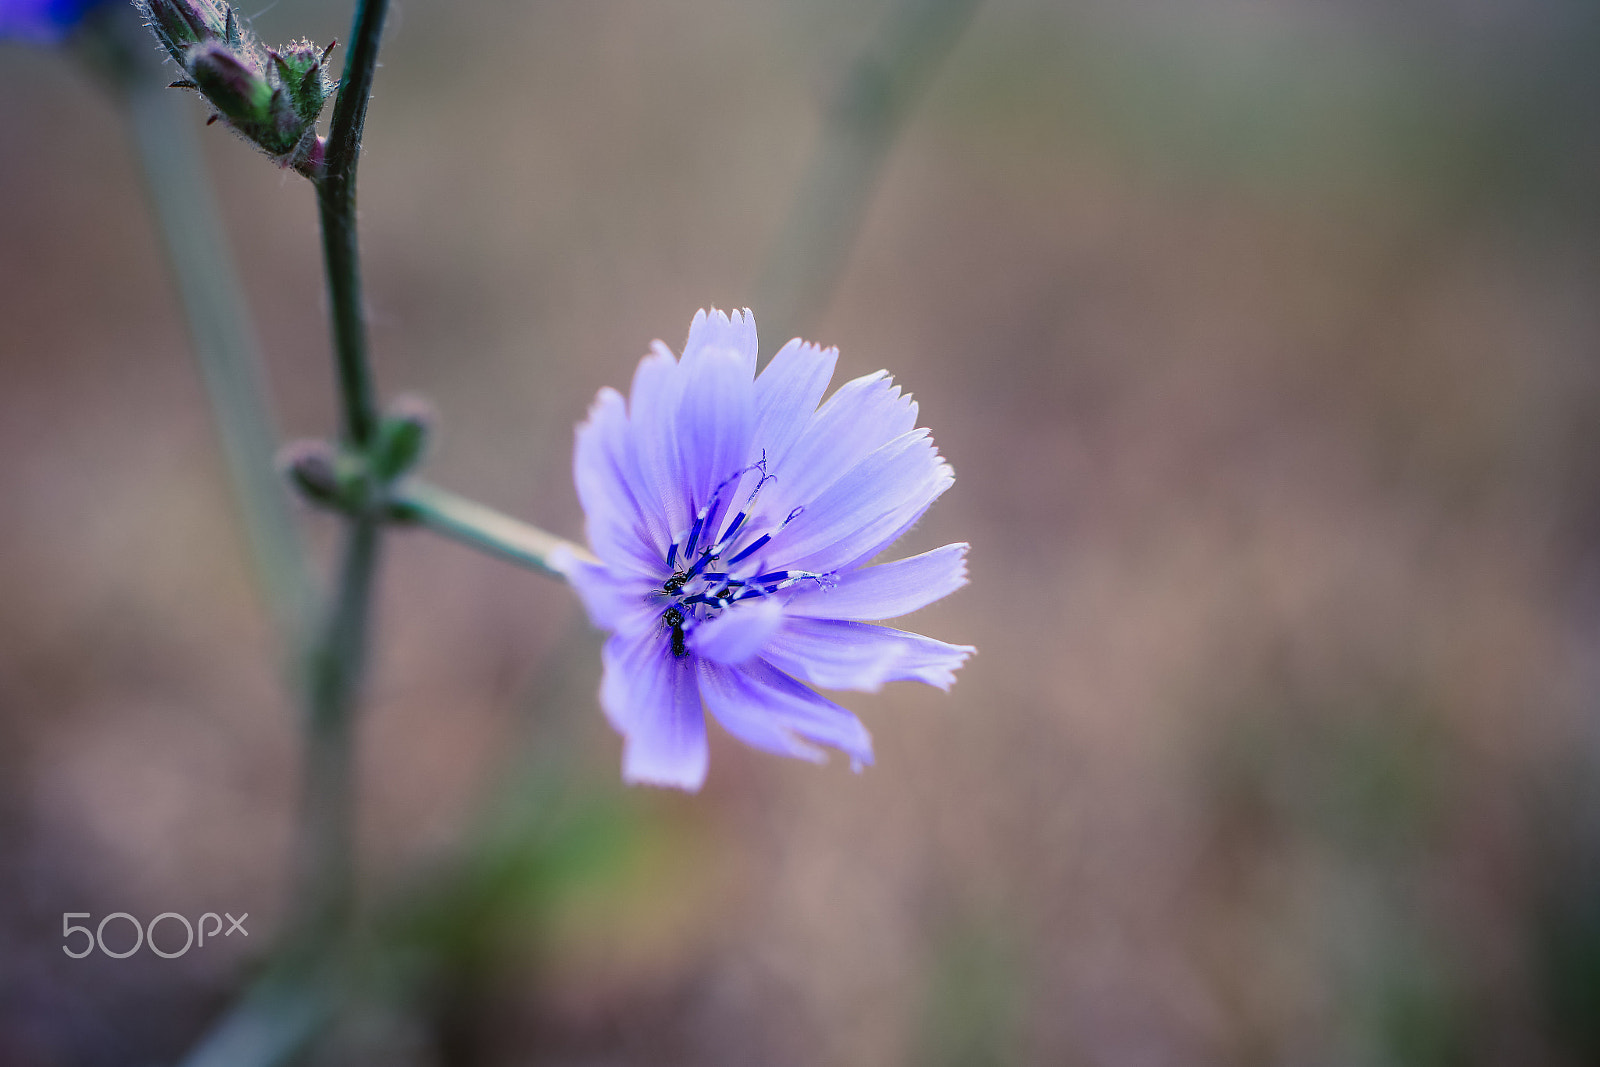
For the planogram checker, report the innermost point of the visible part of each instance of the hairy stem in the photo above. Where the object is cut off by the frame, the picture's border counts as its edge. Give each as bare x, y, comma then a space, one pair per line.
478, 526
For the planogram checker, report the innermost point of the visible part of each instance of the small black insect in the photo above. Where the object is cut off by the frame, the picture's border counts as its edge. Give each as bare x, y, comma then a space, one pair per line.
674, 620
675, 583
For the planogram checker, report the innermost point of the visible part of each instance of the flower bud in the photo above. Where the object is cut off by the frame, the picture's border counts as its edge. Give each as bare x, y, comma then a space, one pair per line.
402, 437
270, 98
181, 24
239, 92
313, 467
300, 69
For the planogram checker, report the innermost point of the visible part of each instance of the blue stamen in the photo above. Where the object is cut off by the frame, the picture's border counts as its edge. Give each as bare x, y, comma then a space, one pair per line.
694, 534
752, 547
733, 530
705, 557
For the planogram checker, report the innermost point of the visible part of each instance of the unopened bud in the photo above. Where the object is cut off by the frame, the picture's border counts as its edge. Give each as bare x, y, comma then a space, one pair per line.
313, 468
271, 98
300, 69
402, 437
328, 476
180, 24
241, 93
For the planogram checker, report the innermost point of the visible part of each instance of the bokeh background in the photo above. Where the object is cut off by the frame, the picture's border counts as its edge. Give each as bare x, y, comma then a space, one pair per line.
1263, 336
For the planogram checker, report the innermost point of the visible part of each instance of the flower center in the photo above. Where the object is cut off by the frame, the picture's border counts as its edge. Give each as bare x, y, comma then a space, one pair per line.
716, 564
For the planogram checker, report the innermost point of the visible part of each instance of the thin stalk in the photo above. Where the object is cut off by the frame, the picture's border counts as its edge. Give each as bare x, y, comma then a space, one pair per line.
859, 128
336, 203
338, 660
479, 527
220, 330
334, 679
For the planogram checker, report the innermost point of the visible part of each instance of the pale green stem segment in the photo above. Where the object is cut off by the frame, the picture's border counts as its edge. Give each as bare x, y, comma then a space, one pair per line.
483, 528
275, 1023
337, 663
859, 127
219, 326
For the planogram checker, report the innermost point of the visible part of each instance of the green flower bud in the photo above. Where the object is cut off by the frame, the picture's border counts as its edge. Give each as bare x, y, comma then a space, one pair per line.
180, 24
301, 70
240, 92
312, 467
402, 438
328, 476
270, 98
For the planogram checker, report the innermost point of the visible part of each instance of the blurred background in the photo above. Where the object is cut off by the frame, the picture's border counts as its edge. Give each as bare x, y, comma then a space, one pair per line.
1262, 336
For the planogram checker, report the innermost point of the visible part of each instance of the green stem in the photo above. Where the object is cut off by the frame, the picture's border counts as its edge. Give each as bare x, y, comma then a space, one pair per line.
338, 660
336, 203
478, 526
220, 330
334, 679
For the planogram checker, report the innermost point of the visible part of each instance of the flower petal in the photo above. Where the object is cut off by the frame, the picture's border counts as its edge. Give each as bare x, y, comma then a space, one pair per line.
623, 517
861, 416
882, 536
718, 331
837, 654
41, 21
787, 394
742, 709
886, 591
653, 700
766, 708
619, 602
739, 632
716, 418
653, 424
882, 494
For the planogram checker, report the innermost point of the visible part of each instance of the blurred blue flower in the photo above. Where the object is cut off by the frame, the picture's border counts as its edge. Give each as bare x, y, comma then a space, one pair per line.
732, 518
41, 21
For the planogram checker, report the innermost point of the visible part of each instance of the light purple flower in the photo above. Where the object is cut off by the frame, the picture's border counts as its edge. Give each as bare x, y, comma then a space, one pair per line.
732, 519
41, 21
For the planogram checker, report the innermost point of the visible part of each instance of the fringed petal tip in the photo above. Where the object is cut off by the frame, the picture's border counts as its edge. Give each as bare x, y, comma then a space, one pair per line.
837, 654
690, 782
713, 329
654, 702
943, 678
808, 353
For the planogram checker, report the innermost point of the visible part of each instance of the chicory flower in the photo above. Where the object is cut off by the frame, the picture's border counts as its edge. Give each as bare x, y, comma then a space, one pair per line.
41, 21
733, 520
